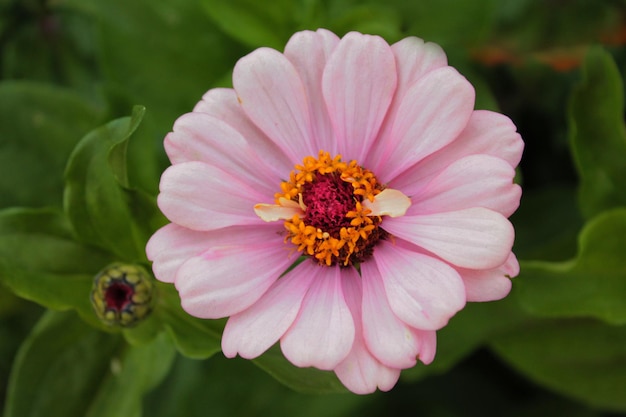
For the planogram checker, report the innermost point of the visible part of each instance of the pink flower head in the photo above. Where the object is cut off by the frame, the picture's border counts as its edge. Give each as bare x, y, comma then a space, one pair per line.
368, 163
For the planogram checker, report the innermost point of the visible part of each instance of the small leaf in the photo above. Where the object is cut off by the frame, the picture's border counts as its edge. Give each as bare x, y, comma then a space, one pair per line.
95, 199
592, 285
41, 261
598, 135
584, 359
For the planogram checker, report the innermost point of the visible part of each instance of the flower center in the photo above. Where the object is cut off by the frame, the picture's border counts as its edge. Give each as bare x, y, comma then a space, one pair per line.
332, 224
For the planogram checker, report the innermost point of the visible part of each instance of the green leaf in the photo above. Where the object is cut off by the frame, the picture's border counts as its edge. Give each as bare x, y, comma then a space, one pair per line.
598, 135
449, 22
39, 127
306, 380
66, 368
95, 198
59, 367
584, 359
547, 234
255, 23
41, 261
134, 373
239, 379
592, 285
470, 329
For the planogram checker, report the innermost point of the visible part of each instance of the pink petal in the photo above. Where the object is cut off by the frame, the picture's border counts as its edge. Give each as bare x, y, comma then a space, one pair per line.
253, 331
358, 84
428, 346
492, 284
220, 282
422, 291
173, 245
486, 133
390, 340
202, 137
432, 114
273, 96
475, 238
323, 333
308, 52
360, 372
414, 59
203, 197
473, 181
222, 103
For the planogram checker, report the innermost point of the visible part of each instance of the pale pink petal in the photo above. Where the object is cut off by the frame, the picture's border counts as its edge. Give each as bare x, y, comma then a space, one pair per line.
492, 284
358, 84
272, 95
423, 291
360, 372
486, 133
222, 103
390, 340
428, 345
323, 333
432, 114
308, 51
414, 59
253, 331
475, 238
226, 280
172, 245
202, 137
473, 181
202, 197
389, 202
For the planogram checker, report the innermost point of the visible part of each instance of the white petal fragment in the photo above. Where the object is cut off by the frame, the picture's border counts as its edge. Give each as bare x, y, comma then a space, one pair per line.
274, 212
389, 202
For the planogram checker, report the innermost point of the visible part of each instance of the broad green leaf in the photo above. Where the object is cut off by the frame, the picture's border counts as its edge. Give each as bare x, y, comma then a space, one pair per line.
95, 198
194, 338
66, 368
254, 23
164, 55
238, 380
592, 285
59, 368
306, 380
135, 372
39, 126
598, 135
551, 235
470, 329
41, 261
449, 22
584, 359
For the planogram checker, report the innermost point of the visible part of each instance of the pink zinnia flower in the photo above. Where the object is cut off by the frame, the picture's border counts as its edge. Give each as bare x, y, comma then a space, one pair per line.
368, 161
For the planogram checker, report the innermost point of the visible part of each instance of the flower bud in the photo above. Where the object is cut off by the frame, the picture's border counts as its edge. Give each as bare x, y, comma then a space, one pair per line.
122, 294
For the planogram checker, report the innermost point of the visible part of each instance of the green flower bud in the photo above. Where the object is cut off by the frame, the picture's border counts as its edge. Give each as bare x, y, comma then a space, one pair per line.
122, 294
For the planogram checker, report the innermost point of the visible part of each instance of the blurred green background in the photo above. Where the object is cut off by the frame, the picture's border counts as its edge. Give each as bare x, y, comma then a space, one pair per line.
555, 347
